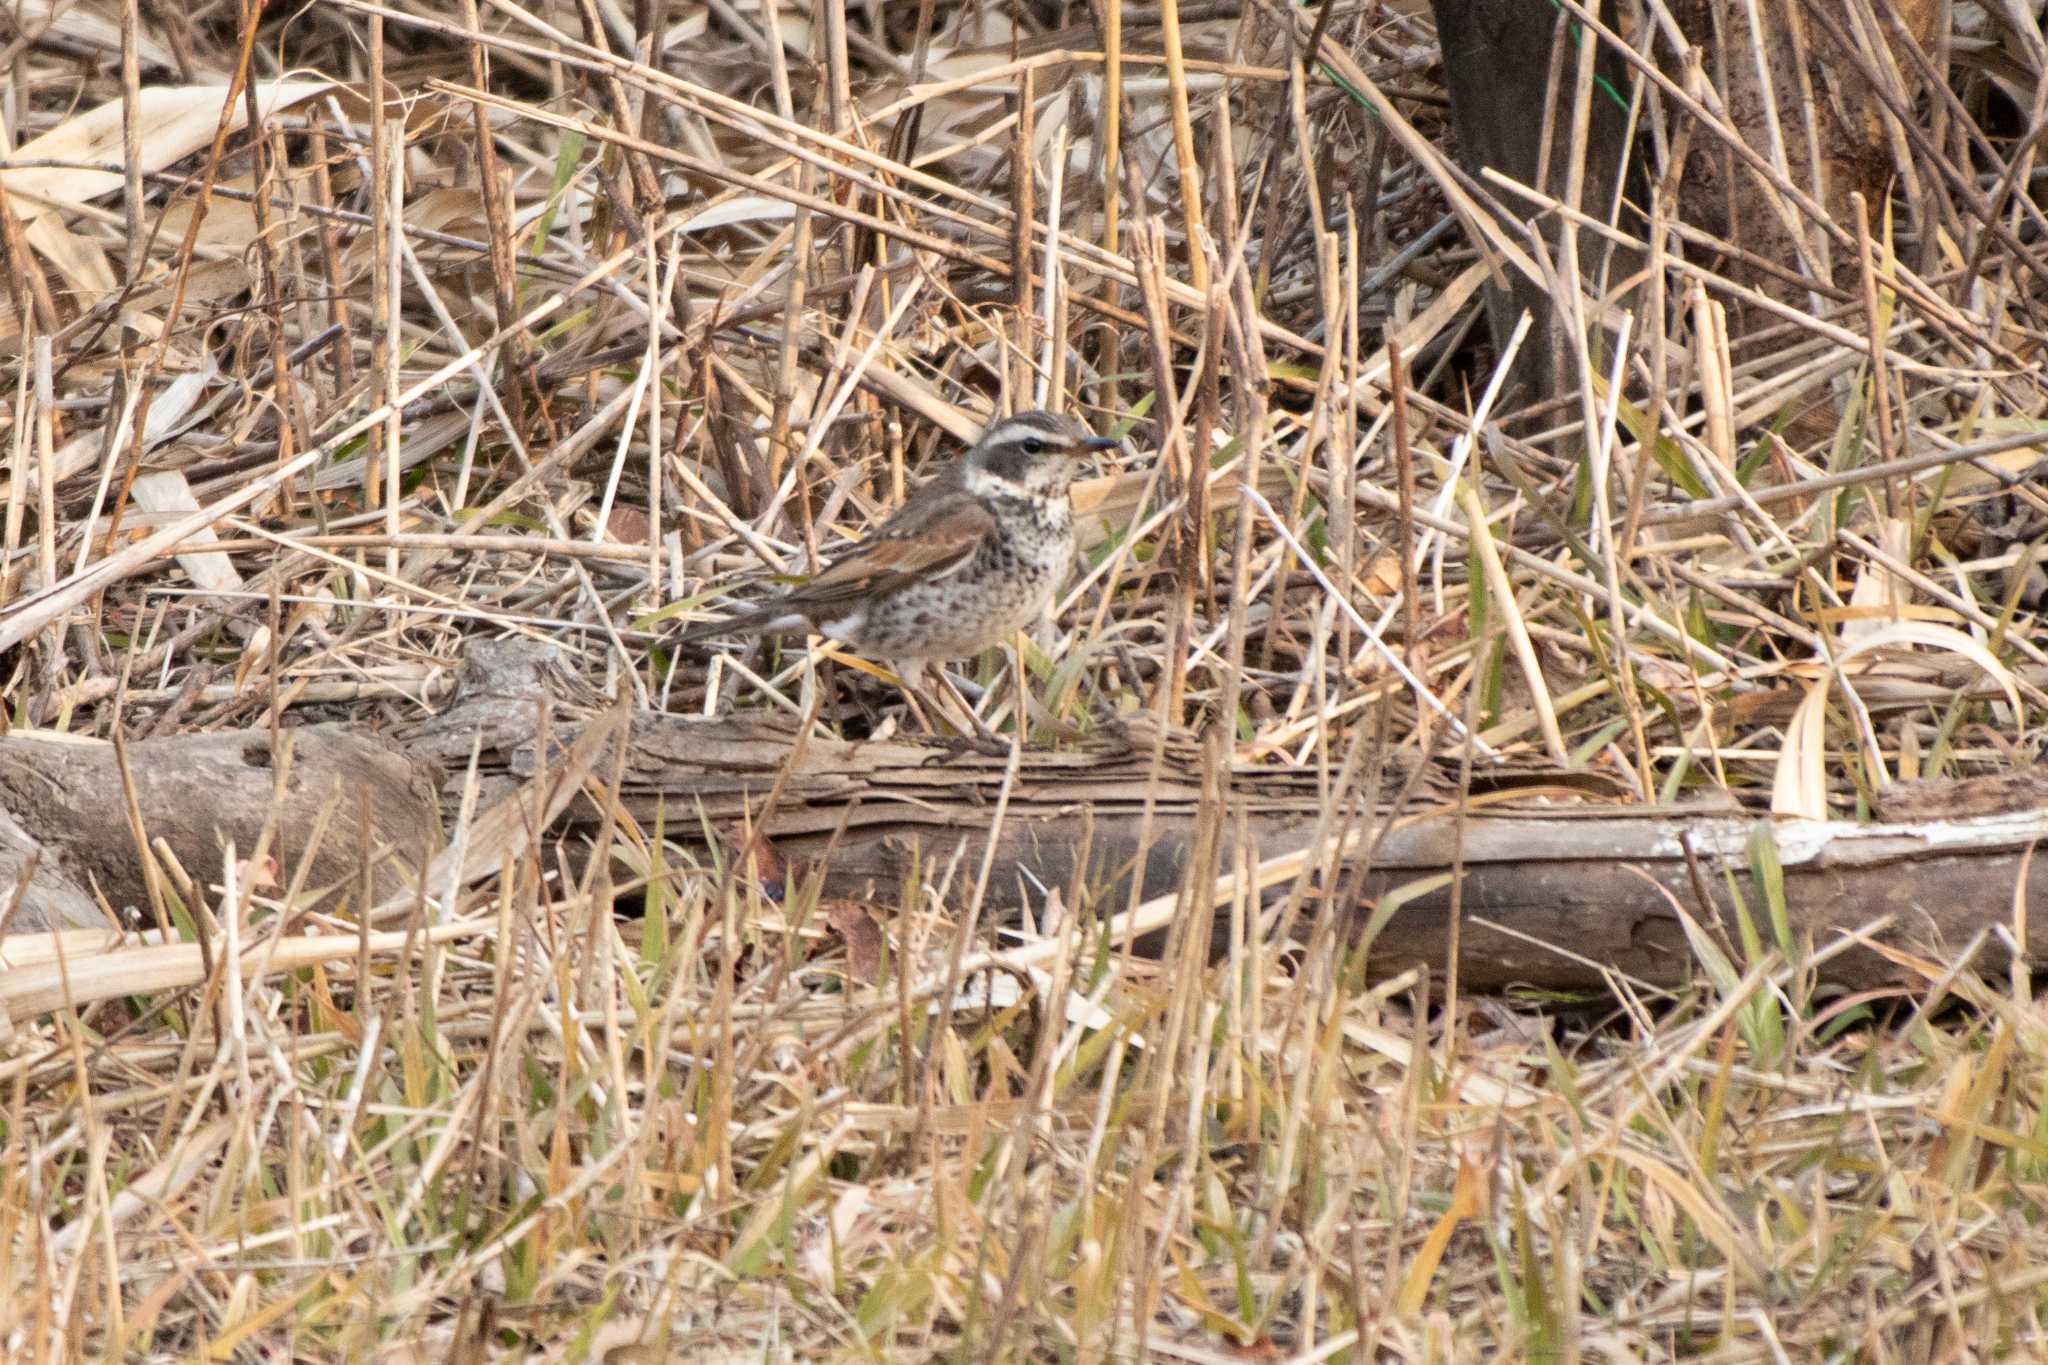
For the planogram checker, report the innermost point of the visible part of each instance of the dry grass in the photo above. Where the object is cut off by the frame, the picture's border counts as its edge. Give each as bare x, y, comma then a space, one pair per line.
293, 415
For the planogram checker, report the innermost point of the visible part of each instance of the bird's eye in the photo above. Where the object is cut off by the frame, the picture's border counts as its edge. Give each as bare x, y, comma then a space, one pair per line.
1033, 446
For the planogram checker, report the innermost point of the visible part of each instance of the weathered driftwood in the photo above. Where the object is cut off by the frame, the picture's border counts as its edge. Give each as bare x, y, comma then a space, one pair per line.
66, 839
1552, 896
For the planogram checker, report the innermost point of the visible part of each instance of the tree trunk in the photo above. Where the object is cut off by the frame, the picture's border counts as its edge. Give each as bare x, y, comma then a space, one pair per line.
1497, 61
1793, 93
1810, 103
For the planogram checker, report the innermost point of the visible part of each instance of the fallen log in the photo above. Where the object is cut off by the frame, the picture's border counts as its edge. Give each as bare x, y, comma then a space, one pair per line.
1556, 892
68, 853
1554, 895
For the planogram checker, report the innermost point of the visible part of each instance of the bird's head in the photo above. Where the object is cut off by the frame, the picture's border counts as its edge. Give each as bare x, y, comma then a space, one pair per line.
1033, 452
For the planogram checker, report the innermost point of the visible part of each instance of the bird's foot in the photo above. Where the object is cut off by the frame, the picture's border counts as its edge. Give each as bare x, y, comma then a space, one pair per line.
953, 748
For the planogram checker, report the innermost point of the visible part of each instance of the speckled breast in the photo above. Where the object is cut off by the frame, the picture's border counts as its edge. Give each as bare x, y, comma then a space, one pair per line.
1011, 581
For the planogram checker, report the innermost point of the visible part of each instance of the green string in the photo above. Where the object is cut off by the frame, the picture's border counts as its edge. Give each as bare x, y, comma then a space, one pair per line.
1575, 26
1598, 79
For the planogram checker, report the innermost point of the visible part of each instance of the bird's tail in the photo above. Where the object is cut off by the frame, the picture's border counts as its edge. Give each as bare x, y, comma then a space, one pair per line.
773, 619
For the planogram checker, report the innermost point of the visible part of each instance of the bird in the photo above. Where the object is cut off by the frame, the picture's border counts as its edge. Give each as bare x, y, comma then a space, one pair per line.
970, 558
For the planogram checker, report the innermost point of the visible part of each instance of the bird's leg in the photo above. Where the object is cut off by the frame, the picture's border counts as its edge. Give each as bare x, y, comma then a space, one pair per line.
906, 683
983, 737
1017, 644
960, 743
911, 680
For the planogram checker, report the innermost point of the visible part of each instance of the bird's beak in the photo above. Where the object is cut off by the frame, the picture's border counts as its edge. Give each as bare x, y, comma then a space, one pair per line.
1100, 442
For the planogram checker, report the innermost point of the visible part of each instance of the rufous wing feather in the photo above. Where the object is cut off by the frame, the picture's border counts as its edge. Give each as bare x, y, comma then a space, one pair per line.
934, 533
924, 540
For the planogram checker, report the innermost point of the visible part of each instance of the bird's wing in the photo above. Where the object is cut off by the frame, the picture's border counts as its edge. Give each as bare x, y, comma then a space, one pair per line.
930, 536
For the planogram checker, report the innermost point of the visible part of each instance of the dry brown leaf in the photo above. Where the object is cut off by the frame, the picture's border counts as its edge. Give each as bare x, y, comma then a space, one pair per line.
854, 922
167, 491
176, 121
